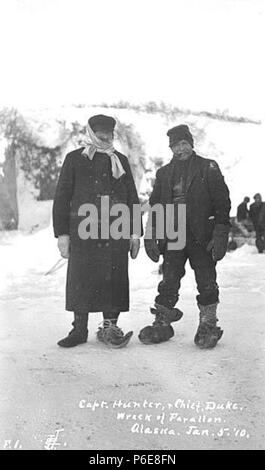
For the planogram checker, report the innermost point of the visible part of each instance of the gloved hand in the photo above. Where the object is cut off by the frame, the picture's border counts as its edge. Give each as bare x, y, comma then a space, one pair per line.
152, 250
64, 245
134, 246
219, 242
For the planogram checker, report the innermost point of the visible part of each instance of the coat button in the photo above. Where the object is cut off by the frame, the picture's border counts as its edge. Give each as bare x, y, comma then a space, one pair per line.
107, 244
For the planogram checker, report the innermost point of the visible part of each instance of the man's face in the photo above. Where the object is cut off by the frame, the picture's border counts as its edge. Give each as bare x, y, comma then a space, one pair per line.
182, 150
258, 199
106, 136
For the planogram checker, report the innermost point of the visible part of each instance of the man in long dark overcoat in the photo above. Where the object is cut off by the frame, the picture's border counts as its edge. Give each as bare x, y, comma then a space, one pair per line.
97, 275
197, 183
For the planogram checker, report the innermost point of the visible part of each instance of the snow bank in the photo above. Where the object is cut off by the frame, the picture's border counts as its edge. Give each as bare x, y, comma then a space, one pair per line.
235, 146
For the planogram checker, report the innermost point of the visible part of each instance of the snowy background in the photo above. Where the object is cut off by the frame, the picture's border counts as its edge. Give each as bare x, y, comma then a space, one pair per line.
152, 65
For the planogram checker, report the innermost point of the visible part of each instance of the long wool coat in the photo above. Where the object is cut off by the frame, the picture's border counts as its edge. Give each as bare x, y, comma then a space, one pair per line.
97, 275
207, 196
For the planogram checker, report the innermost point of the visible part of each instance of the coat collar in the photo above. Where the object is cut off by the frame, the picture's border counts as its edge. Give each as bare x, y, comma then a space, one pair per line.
192, 171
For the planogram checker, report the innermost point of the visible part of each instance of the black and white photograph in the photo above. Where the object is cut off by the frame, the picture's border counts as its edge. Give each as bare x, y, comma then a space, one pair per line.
132, 227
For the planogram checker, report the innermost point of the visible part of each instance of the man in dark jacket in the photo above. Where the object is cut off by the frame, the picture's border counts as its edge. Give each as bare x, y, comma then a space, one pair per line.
242, 220
97, 276
198, 183
242, 210
256, 214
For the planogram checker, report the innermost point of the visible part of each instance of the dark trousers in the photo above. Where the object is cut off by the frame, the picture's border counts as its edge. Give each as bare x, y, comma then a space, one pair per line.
173, 269
108, 315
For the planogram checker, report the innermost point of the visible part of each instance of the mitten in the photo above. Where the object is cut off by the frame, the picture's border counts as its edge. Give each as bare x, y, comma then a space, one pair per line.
219, 241
152, 250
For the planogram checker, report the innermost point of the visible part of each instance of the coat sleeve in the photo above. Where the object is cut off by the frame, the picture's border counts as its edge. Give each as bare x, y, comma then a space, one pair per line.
131, 200
219, 194
155, 197
63, 197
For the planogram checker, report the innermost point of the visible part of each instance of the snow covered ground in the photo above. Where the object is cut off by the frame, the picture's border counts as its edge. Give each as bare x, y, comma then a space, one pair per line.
167, 396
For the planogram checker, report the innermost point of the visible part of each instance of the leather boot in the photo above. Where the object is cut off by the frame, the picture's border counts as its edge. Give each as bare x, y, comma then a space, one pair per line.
78, 334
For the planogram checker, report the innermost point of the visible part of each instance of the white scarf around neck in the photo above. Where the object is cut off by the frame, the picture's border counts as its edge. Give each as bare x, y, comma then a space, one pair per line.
93, 144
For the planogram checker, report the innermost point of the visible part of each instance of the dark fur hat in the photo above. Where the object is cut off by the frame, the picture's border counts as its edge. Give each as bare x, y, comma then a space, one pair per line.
178, 133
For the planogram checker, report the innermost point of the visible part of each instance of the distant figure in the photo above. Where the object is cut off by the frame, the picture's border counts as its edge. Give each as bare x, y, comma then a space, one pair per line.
257, 215
242, 220
261, 223
242, 210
